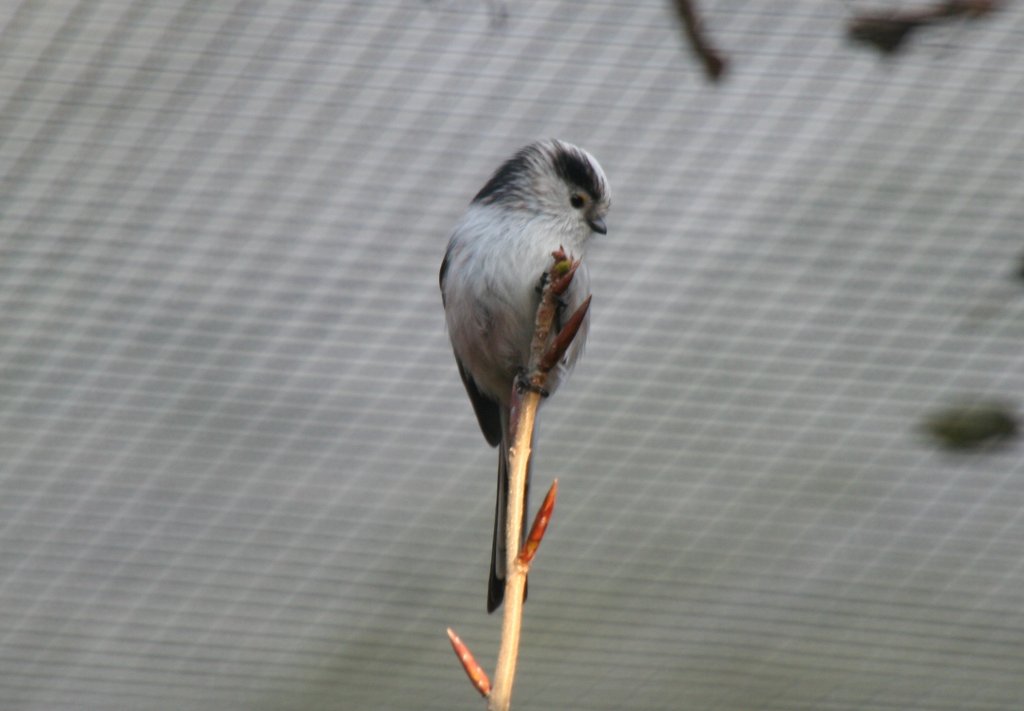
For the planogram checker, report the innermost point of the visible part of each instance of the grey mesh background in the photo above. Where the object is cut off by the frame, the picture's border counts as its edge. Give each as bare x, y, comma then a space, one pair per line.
239, 470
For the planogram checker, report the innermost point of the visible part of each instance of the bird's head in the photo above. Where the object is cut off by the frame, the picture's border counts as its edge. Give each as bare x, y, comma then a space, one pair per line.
555, 180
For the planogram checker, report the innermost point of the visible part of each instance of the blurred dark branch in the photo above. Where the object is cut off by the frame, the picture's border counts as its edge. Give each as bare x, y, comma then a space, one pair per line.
973, 426
887, 32
714, 63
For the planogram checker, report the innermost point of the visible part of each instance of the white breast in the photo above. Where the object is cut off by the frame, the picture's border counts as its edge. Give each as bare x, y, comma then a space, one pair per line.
495, 261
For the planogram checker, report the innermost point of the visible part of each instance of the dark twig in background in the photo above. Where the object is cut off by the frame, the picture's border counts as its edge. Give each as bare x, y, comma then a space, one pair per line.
714, 63
888, 31
973, 425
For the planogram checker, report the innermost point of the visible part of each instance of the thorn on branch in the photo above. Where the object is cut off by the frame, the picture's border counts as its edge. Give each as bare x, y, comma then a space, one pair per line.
540, 526
477, 675
560, 344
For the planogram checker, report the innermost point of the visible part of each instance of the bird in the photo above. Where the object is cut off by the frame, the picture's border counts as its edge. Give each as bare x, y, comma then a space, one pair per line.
549, 195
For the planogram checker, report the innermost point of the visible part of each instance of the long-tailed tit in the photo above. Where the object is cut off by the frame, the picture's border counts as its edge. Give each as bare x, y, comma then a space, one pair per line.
548, 195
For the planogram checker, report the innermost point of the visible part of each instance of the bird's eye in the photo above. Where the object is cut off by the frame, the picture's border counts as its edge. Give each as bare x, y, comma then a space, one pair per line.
577, 200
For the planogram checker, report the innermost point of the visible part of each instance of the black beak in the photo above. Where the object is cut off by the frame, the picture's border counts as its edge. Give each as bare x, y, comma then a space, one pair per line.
597, 224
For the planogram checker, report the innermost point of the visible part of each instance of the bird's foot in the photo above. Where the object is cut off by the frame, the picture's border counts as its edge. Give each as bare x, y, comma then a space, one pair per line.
541, 283
524, 384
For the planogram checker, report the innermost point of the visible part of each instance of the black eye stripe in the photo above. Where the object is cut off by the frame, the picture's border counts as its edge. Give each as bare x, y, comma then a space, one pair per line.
575, 169
513, 180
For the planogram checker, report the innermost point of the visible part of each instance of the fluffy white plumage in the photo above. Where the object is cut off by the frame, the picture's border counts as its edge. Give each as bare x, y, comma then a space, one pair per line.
495, 263
549, 195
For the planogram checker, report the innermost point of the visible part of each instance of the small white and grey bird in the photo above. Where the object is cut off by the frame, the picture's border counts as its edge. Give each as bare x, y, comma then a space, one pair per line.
549, 195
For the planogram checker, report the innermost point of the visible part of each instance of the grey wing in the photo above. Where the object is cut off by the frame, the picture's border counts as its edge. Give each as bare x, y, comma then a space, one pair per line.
488, 410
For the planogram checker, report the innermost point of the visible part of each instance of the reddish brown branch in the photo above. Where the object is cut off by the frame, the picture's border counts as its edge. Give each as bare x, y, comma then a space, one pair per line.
560, 344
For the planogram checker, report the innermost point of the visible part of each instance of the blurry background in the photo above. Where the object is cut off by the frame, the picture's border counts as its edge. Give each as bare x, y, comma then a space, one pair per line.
238, 469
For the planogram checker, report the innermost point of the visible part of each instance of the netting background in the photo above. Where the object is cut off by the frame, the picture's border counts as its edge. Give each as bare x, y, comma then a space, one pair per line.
238, 469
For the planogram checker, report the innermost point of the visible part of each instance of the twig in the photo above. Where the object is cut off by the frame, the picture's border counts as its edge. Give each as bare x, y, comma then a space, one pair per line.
545, 352
543, 357
714, 63
887, 32
515, 571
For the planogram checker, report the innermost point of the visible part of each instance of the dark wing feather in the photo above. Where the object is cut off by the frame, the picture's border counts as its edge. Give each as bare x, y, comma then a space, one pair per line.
488, 411
441, 275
